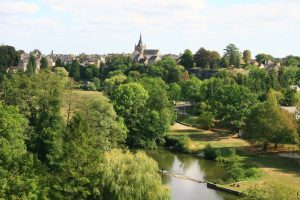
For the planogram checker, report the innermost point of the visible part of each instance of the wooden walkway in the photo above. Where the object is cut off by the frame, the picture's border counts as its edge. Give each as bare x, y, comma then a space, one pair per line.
182, 177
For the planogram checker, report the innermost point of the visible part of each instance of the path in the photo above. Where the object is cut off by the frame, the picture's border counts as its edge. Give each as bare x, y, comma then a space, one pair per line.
181, 127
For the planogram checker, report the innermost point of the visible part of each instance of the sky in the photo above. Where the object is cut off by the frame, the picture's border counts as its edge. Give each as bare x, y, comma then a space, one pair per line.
114, 26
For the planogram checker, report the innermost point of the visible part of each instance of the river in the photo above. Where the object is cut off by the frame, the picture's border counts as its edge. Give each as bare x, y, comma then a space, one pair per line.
193, 167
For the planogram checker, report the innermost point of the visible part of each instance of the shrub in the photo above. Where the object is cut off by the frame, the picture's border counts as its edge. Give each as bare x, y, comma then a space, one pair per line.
235, 170
210, 153
252, 172
178, 143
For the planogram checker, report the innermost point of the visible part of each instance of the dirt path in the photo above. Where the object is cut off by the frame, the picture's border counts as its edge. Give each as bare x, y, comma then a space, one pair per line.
180, 127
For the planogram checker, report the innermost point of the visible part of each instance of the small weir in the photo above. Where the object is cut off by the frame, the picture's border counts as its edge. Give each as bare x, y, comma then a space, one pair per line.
181, 177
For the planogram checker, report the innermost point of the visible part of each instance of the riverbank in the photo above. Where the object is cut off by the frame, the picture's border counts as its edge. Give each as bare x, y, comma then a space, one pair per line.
275, 168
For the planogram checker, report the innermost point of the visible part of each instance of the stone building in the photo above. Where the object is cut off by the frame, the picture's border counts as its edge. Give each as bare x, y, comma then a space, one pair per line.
143, 55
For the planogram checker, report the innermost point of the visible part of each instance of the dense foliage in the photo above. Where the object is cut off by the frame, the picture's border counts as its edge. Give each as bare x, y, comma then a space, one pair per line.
44, 156
268, 123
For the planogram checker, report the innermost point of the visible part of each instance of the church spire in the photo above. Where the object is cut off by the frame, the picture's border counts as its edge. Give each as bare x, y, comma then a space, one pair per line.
140, 41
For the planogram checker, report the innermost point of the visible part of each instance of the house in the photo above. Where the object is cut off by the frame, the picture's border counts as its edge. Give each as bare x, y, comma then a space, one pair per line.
143, 55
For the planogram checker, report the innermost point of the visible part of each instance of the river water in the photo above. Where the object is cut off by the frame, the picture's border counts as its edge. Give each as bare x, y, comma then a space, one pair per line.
193, 167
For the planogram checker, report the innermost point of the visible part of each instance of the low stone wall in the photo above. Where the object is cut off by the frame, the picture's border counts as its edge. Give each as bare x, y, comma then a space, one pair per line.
223, 189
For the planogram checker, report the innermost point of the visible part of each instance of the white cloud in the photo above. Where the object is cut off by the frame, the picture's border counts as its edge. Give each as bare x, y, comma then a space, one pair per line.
155, 14
171, 25
17, 7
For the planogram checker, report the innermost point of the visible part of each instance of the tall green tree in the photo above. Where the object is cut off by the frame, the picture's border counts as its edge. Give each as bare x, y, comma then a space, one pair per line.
247, 57
58, 63
75, 70
94, 129
202, 58
44, 63
232, 105
18, 178
233, 55
130, 103
187, 59
268, 123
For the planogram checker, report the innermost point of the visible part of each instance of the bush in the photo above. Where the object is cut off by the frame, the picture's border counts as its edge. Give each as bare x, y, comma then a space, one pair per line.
252, 172
235, 170
210, 153
180, 144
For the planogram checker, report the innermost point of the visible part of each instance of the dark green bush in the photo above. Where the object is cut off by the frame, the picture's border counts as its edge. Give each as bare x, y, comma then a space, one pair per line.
210, 153
177, 143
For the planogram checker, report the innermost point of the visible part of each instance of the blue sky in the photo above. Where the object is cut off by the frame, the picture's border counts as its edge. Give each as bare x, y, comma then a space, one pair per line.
101, 26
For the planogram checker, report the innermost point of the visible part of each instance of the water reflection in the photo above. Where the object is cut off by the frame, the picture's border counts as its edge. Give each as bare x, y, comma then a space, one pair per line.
193, 167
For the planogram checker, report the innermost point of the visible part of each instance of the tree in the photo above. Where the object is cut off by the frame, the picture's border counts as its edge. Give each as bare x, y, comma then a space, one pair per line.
44, 63
258, 81
288, 76
8, 57
166, 69
31, 66
58, 63
17, 170
159, 114
191, 89
207, 59
215, 59
111, 84
94, 129
75, 70
268, 123
48, 125
97, 83
292, 60
233, 55
30, 69
247, 57
232, 104
202, 58
175, 91
187, 59
12, 134
262, 57
130, 103
132, 176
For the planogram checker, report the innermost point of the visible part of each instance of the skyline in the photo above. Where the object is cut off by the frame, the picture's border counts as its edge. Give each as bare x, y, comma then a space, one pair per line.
97, 26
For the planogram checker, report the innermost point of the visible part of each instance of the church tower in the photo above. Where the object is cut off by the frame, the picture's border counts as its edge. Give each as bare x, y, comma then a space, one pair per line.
140, 47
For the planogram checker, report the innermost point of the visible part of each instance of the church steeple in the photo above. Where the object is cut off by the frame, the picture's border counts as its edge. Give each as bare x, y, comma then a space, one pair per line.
140, 47
140, 41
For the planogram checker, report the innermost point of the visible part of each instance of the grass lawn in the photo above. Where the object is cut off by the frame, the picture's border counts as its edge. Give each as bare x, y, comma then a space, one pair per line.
275, 168
78, 97
200, 138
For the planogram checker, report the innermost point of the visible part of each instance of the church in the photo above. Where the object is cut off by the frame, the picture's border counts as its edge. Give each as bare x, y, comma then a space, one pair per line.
143, 55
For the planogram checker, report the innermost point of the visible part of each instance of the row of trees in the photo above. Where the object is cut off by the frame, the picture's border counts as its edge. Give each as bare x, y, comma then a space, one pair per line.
232, 56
